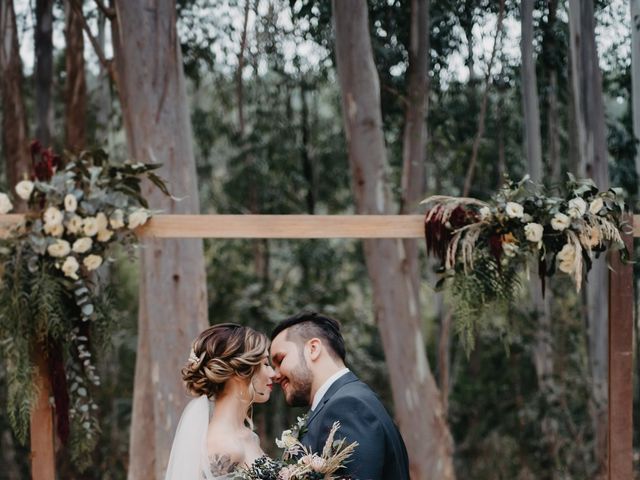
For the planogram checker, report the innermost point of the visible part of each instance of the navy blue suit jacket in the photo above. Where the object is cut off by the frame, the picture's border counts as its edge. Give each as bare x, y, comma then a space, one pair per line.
381, 453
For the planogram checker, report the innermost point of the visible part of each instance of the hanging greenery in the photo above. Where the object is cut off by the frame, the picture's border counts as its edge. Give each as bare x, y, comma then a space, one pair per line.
51, 300
485, 247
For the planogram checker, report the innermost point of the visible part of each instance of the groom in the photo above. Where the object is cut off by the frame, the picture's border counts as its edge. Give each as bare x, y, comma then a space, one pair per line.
308, 354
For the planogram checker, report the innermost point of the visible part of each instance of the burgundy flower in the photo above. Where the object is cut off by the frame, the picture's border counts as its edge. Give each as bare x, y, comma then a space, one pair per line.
438, 233
495, 247
44, 161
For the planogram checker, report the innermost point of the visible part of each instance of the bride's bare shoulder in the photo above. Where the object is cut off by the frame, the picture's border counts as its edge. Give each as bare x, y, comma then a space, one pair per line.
225, 453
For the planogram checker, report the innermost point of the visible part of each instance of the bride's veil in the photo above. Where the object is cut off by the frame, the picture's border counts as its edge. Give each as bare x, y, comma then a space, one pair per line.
189, 459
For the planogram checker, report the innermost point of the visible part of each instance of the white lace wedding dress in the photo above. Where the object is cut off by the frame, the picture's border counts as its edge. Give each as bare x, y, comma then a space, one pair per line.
189, 459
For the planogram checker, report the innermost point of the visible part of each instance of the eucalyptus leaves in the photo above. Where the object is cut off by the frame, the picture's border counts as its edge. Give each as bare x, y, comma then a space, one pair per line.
51, 299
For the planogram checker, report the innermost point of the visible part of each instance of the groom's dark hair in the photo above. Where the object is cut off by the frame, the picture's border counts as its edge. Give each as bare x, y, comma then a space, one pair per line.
307, 324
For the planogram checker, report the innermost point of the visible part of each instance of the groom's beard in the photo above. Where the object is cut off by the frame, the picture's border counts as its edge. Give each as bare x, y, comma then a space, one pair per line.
299, 392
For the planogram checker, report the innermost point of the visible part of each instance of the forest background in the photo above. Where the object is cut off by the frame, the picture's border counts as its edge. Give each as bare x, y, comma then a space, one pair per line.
486, 88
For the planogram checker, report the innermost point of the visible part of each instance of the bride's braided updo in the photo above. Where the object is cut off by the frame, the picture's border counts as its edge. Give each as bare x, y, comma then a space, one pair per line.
219, 353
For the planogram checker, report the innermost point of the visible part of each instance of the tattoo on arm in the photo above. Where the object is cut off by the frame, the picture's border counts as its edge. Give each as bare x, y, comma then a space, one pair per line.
221, 464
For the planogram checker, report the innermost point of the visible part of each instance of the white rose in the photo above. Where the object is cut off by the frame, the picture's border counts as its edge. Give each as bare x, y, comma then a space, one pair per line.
24, 189
92, 262
5, 204
514, 210
90, 226
54, 230
485, 213
117, 219
102, 221
596, 205
70, 203
82, 245
70, 267
138, 218
74, 225
533, 232
286, 440
577, 207
52, 216
59, 249
104, 235
560, 222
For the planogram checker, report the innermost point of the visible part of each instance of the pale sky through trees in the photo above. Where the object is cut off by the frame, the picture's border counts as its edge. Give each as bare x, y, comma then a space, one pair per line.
613, 30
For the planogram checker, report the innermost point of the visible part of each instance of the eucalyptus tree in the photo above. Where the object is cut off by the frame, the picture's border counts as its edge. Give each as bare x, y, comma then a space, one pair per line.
593, 157
417, 401
14, 116
172, 305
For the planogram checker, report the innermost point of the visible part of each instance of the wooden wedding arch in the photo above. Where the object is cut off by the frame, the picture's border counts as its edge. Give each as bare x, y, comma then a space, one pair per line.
621, 307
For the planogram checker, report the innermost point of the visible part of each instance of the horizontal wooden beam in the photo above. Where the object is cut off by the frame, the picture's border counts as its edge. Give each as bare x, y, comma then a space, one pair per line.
285, 226
280, 226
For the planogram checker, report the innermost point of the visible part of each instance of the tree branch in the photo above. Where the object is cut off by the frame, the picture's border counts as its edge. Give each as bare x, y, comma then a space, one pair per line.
110, 13
106, 63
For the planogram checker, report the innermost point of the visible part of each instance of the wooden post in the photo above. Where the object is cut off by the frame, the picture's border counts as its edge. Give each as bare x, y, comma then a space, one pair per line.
42, 442
621, 303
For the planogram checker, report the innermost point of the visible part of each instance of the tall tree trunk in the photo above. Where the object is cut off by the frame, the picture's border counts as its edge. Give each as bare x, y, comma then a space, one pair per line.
76, 88
173, 301
415, 131
531, 112
554, 163
44, 70
589, 113
502, 159
102, 91
574, 128
533, 151
417, 401
543, 351
14, 119
635, 74
553, 129
415, 127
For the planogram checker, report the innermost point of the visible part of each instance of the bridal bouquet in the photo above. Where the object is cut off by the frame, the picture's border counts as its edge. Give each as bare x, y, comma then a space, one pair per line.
300, 463
79, 207
485, 246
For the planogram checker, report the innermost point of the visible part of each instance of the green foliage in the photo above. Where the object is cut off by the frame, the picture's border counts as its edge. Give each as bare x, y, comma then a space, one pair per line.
481, 295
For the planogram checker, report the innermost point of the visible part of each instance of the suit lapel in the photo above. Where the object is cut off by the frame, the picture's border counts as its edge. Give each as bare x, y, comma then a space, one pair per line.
337, 385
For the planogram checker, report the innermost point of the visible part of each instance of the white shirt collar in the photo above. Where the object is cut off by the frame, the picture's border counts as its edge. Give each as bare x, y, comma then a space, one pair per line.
326, 385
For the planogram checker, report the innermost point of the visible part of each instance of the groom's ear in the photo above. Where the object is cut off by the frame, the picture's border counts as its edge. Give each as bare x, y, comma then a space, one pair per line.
315, 347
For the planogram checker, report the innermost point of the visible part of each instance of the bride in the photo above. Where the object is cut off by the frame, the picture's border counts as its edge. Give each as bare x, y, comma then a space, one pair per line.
228, 371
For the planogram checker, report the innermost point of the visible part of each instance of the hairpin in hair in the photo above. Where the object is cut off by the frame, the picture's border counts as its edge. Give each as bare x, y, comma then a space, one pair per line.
193, 358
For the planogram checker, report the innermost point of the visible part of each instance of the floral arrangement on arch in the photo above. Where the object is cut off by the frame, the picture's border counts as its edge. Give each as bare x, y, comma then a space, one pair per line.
485, 247
300, 463
51, 299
